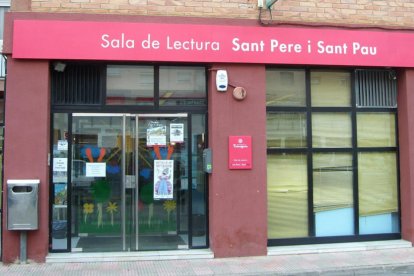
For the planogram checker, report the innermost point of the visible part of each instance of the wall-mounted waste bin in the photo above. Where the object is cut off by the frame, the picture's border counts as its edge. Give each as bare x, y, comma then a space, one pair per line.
22, 204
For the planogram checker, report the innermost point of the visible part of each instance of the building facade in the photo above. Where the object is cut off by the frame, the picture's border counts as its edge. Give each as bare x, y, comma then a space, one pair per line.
222, 125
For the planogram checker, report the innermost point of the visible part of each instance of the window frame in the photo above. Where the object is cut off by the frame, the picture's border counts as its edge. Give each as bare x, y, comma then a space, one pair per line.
102, 106
354, 150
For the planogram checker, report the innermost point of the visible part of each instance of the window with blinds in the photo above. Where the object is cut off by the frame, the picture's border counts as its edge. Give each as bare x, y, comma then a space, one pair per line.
376, 88
76, 84
332, 156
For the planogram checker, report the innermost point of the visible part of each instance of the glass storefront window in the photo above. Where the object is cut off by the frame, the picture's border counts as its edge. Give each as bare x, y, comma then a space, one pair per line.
136, 179
287, 195
330, 88
1, 110
349, 166
333, 194
129, 85
376, 130
285, 87
286, 130
182, 86
199, 188
331, 130
1, 161
378, 192
59, 231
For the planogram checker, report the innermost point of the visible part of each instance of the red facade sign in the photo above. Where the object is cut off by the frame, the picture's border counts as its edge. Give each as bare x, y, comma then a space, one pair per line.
240, 152
85, 40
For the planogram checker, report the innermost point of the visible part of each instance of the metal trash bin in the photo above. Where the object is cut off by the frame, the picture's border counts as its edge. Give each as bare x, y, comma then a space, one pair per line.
22, 204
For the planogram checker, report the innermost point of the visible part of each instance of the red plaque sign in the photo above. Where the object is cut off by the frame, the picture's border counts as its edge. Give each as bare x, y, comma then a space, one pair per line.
240, 152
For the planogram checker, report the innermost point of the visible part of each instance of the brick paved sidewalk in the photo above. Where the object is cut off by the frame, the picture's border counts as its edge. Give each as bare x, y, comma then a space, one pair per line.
368, 262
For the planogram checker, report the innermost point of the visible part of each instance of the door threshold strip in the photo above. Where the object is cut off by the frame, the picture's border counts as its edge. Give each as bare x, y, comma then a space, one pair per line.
77, 257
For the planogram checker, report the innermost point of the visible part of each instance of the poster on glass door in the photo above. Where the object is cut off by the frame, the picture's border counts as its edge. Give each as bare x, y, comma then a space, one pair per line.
60, 167
163, 179
156, 134
177, 133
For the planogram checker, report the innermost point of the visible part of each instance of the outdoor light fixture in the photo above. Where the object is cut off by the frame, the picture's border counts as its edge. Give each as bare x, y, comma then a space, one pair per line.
265, 5
59, 66
270, 3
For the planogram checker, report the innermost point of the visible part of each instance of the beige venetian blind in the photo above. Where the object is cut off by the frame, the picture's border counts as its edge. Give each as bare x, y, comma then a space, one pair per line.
332, 181
287, 196
377, 183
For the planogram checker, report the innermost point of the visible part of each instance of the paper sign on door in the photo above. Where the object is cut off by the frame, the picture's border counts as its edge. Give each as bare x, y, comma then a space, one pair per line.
176, 133
156, 134
95, 169
163, 179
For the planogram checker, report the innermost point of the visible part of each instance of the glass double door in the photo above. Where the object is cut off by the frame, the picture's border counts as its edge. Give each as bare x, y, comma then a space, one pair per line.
129, 182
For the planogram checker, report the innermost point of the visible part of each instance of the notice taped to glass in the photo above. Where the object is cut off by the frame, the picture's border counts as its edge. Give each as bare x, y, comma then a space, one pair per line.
156, 134
163, 179
176, 133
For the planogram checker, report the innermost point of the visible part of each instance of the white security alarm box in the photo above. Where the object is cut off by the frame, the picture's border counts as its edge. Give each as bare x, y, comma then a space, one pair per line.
221, 80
